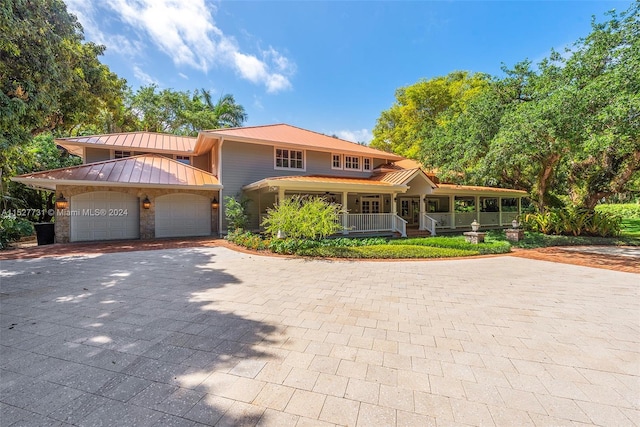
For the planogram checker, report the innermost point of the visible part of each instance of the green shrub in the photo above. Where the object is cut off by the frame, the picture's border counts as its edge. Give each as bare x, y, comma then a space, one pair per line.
458, 242
303, 218
248, 240
13, 228
624, 210
573, 222
235, 212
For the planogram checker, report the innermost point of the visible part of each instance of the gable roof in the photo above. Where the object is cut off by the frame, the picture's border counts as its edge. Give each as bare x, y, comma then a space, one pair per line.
283, 134
143, 141
146, 170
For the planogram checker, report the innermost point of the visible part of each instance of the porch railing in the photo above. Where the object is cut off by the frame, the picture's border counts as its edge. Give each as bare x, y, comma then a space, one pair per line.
372, 223
430, 224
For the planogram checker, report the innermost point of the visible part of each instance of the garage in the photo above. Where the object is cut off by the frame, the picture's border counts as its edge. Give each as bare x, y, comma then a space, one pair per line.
179, 215
104, 215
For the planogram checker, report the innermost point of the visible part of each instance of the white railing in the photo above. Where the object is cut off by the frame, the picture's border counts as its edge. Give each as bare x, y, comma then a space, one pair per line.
443, 220
400, 225
507, 217
430, 224
489, 218
464, 219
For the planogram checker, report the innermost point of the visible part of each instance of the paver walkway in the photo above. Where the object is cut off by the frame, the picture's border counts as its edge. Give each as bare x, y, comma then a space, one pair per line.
209, 336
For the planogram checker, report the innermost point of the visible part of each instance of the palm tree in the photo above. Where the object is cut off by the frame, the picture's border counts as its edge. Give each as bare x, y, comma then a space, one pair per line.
223, 114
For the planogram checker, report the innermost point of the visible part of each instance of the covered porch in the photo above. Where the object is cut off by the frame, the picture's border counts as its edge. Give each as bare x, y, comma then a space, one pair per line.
369, 206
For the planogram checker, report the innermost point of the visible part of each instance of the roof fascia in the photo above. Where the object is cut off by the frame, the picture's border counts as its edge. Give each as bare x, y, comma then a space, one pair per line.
51, 184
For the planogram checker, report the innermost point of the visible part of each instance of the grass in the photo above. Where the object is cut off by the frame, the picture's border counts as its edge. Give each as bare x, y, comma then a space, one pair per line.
388, 251
491, 246
629, 236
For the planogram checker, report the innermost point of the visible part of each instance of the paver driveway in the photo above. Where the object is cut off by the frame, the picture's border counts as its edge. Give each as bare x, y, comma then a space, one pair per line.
212, 336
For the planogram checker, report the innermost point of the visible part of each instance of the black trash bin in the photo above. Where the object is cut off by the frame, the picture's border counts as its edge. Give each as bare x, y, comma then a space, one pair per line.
45, 233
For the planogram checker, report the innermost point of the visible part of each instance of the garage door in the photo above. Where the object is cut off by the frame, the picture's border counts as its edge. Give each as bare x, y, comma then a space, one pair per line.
104, 215
180, 215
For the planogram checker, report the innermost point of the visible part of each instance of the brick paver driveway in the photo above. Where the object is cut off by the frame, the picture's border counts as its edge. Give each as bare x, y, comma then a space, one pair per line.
212, 336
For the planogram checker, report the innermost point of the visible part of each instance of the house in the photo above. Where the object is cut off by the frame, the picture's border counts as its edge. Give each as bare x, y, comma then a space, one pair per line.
149, 185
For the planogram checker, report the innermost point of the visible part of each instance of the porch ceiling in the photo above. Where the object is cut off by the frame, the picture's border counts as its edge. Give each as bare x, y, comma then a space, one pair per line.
326, 183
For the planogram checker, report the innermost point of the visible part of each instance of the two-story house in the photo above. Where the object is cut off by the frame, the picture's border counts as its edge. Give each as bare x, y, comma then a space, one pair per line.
149, 185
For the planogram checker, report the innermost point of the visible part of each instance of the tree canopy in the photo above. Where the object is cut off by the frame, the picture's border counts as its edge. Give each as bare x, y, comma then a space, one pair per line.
567, 128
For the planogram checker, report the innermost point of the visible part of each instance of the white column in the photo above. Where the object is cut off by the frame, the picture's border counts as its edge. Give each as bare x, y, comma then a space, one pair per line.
394, 204
423, 210
452, 209
477, 208
345, 216
280, 194
500, 211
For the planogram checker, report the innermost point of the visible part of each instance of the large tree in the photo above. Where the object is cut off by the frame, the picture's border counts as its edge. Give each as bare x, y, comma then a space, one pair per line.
401, 128
50, 80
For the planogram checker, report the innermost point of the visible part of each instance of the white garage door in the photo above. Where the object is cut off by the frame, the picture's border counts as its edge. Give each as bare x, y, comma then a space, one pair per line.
180, 215
104, 215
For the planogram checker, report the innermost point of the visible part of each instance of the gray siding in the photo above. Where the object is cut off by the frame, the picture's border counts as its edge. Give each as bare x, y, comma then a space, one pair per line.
244, 163
93, 155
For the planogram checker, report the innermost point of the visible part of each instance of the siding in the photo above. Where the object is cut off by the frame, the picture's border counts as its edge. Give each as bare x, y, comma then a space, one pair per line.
93, 155
202, 162
244, 163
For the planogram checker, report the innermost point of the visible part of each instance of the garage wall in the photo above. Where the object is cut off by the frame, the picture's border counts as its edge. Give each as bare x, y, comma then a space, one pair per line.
147, 216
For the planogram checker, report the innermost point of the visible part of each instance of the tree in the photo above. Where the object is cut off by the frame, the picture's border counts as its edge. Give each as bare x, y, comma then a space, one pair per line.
400, 129
182, 113
49, 79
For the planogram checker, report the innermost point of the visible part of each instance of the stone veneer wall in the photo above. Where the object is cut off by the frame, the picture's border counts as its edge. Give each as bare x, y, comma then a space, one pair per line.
147, 216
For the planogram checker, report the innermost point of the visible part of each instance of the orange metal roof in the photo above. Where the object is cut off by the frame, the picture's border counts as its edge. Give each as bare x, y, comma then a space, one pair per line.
145, 170
476, 188
148, 141
329, 179
287, 134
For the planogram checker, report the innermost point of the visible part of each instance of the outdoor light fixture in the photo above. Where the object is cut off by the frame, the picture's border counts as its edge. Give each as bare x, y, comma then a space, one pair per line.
61, 202
146, 203
215, 204
357, 201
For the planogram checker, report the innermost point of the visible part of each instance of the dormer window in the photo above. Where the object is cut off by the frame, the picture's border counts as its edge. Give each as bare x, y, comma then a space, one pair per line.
289, 159
366, 164
121, 154
184, 159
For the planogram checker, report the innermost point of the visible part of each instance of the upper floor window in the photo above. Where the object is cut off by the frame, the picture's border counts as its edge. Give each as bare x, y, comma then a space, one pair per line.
121, 154
336, 161
184, 159
289, 159
352, 162
366, 164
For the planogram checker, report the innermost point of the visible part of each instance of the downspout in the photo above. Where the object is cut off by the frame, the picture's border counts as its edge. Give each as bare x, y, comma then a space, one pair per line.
221, 209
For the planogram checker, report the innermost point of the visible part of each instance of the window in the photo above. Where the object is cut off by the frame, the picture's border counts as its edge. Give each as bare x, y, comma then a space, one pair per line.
121, 154
289, 159
336, 161
366, 164
352, 162
184, 159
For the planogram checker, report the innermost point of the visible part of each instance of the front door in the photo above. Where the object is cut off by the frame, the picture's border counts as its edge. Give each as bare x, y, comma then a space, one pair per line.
370, 204
410, 210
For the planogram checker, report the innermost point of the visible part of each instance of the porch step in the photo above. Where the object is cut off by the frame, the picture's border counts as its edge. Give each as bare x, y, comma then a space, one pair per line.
417, 233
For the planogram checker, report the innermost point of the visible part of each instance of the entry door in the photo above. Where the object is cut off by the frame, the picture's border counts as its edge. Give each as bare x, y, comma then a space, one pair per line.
410, 209
370, 204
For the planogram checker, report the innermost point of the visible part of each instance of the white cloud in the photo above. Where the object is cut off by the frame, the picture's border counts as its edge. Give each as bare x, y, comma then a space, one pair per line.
184, 76
144, 77
362, 135
186, 32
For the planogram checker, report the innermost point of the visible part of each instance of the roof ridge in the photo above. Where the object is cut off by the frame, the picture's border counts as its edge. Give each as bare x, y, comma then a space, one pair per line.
125, 133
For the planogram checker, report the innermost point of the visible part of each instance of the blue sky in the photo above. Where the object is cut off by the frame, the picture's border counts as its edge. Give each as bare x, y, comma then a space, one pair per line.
327, 66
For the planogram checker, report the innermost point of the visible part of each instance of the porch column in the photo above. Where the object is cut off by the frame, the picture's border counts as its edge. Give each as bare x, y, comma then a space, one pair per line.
394, 204
452, 209
345, 214
477, 201
500, 211
519, 206
423, 210
280, 194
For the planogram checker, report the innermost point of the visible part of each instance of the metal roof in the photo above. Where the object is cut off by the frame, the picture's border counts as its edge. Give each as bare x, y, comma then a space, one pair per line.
147, 141
291, 135
146, 170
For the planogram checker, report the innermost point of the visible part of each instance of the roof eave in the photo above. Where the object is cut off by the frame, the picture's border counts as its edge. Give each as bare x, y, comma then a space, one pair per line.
51, 184
325, 186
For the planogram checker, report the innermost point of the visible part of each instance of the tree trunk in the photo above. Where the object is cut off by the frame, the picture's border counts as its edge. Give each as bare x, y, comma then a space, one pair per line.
543, 179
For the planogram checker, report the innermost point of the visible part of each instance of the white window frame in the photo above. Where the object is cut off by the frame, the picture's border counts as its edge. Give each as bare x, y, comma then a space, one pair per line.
364, 163
275, 159
129, 153
333, 166
347, 162
179, 157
